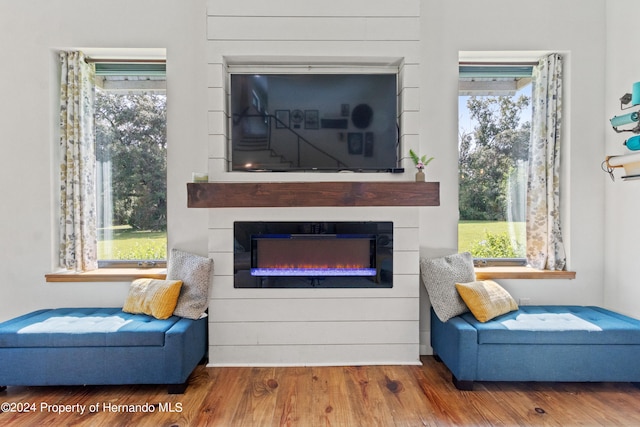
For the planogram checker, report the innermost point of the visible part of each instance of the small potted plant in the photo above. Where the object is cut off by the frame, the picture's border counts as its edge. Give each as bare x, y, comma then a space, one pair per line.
421, 163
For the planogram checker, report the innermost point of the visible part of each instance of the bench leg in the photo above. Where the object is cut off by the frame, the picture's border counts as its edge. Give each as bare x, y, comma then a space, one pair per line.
177, 388
462, 385
3, 387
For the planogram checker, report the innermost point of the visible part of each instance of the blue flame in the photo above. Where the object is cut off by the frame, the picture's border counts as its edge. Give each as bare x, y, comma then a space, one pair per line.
314, 272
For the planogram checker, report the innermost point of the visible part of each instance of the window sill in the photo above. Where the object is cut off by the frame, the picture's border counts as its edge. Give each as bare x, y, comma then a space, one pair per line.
108, 275
130, 274
484, 273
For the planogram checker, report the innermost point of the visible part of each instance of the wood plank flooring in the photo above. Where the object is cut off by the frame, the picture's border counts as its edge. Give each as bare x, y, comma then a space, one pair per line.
326, 396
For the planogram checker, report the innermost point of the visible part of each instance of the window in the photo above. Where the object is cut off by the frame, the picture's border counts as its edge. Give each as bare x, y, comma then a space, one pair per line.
131, 156
493, 145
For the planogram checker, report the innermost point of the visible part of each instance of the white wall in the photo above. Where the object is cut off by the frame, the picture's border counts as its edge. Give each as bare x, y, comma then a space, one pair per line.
575, 28
31, 32
622, 202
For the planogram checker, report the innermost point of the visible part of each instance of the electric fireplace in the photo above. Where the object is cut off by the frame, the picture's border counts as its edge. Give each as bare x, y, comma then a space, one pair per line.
313, 254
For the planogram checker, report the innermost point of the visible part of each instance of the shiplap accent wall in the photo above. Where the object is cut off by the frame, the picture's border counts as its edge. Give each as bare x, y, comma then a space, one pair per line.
262, 327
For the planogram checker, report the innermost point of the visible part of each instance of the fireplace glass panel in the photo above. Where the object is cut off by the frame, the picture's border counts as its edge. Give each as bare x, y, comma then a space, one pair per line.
314, 255
304, 254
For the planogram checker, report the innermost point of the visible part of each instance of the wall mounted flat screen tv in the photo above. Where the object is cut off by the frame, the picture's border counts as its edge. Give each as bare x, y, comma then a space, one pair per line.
314, 122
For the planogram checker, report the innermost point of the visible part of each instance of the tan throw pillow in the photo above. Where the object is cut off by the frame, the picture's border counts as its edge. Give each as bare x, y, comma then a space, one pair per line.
195, 273
486, 299
153, 297
440, 276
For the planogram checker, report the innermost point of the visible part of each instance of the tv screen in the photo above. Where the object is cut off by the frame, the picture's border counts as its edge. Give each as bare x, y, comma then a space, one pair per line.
314, 122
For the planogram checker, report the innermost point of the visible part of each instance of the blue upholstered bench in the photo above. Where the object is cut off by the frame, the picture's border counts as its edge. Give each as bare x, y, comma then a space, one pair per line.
82, 346
605, 348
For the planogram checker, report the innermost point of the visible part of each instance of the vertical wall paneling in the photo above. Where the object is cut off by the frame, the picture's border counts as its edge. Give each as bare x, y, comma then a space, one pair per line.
263, 327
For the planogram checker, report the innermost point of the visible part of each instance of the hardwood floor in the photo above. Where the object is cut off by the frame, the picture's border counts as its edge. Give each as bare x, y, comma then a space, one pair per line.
326, 396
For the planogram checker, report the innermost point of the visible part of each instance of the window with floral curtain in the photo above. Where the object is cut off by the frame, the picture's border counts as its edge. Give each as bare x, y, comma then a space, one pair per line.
78, 241
545, 248
509, 162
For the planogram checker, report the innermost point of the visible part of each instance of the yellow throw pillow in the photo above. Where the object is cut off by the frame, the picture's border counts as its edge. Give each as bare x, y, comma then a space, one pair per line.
157, 298
486, 299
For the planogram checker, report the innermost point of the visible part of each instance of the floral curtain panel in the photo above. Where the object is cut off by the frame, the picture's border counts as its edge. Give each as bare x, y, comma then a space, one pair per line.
545, 249
78, 239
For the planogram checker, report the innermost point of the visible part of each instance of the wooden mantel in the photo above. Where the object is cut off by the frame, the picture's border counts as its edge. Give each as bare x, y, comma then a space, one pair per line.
309, 194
